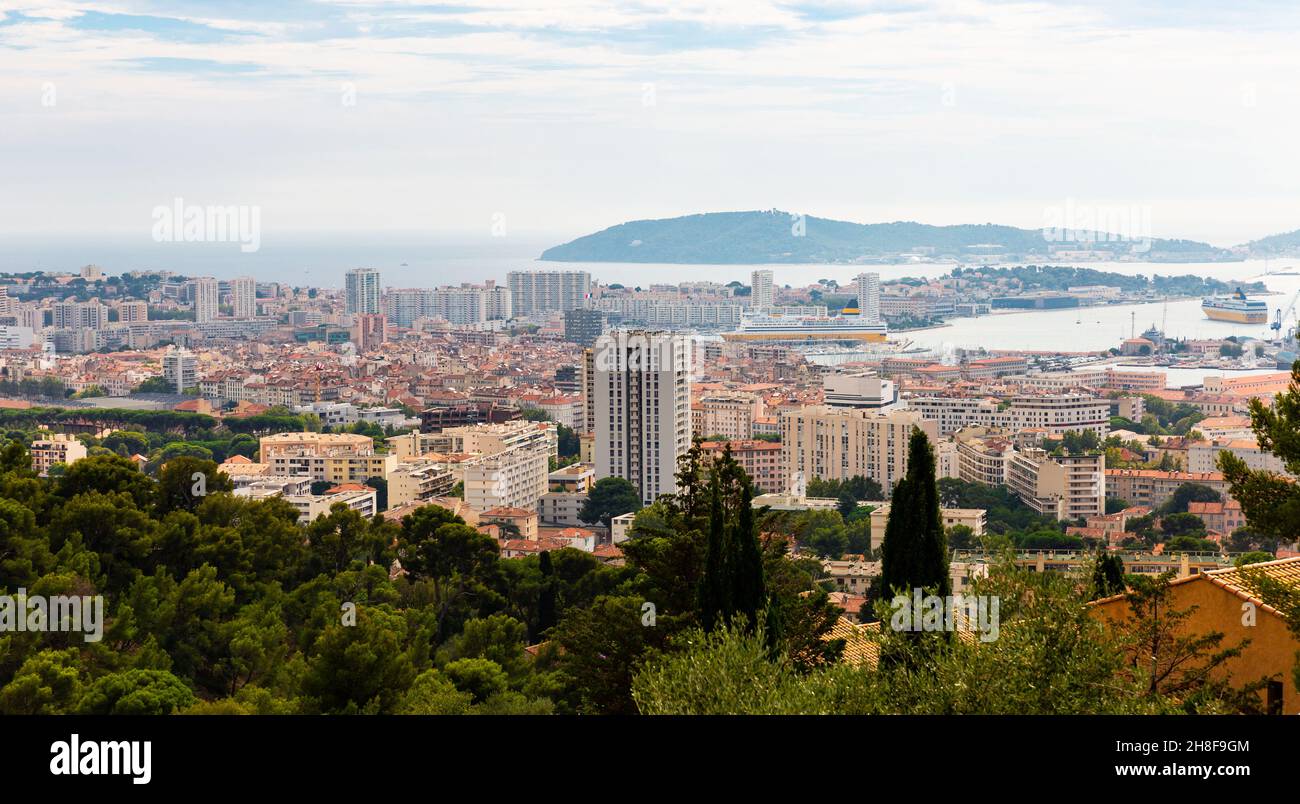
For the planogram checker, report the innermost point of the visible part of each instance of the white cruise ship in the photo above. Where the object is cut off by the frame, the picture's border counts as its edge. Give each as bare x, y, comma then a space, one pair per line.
807, 328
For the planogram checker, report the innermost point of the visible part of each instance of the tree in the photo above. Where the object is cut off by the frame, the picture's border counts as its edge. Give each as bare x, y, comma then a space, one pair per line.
184, 482
546, 599
1188, 493
1181, 525
1114, 504
1173, 662
156, 385
1107, 576
608, 498
136, 692
1270, 502
107, 474
362, 668
914, 554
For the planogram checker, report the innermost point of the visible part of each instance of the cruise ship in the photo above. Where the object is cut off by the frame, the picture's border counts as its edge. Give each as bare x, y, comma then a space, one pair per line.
807, 328
1235, 308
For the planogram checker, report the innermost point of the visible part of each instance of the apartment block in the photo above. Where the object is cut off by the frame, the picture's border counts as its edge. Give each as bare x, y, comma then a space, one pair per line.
762, 461
56, 448
642, 408
834, 444
1060, 486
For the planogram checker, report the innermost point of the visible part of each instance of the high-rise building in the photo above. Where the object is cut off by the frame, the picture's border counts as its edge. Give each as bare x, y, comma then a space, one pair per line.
840, 443
206, 298
869, 297
180, 368
642, 408
77, 315
534, 292
243, 292
583, 326
361, 288
369, 330
762, 289
131, 312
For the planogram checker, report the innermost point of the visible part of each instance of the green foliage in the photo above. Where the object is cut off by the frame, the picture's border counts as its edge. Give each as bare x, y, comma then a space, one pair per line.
608, 498
1270, 502
914, 554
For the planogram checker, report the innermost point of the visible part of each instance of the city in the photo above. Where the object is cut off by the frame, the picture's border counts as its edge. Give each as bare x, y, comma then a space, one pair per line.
429, 362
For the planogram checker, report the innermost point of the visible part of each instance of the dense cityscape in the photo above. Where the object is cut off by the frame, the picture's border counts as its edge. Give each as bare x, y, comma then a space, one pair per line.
508, 466
634, 374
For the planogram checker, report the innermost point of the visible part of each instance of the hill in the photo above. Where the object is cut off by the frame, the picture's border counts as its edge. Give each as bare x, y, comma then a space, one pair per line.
773, 236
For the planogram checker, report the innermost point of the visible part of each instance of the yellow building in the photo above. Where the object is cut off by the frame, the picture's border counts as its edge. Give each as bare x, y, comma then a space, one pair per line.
1224, 601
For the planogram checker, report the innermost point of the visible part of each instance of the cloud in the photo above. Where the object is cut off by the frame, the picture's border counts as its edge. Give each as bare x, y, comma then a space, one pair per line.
569, 111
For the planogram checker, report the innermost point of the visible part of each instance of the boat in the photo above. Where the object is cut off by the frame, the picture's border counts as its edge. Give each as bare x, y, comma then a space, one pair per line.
807, 328
1235, 308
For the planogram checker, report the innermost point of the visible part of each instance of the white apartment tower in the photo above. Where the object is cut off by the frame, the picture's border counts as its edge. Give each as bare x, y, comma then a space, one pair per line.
533, 292
243, 292
869, 297
762, 289
180, 368
642, 407
206, 299
361, 288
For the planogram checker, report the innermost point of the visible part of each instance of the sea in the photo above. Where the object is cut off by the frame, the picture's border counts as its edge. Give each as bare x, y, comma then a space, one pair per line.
406, 259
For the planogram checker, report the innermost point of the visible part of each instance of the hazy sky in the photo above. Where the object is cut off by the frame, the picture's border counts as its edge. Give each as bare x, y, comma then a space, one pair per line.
566, 116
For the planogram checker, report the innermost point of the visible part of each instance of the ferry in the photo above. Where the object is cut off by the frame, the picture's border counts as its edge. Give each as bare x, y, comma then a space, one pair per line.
842, 327
1235, 308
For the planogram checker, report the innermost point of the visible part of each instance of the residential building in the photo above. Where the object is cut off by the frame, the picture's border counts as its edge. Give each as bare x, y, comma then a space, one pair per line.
180, 369
1204, 457
55, 448
243, 297
1153, 488
540, 292
861, 391
837, 444
361, 291
730, 415
761, 460
642, 408
207, 298
762, 292
973, 518
869, 296
583, 325
1064, 486
1215, 601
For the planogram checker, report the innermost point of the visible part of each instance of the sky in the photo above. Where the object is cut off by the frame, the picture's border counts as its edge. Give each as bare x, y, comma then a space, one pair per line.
563, 117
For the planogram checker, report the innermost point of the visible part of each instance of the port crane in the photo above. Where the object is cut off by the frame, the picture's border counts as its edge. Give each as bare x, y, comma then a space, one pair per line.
1281, 316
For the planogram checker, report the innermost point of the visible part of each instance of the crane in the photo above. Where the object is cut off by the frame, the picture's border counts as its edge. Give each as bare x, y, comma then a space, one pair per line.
1281, 316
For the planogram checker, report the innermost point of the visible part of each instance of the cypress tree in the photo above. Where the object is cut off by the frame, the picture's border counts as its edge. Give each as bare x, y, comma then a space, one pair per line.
749, 591
1108, 576
546, 601
714, 594
914, 554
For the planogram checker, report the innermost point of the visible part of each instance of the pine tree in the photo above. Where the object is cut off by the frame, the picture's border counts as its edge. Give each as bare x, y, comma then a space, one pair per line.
914, 554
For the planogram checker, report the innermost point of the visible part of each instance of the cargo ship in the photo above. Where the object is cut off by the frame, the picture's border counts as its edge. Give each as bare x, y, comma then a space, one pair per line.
1235, 308
807, 328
